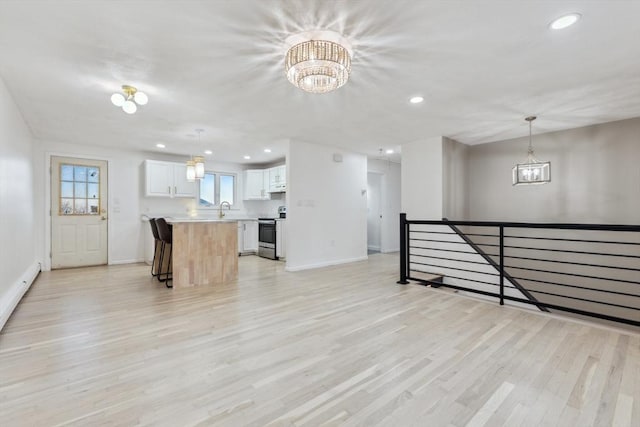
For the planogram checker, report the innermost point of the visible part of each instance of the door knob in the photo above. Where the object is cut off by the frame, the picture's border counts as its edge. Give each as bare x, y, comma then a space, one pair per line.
104, 218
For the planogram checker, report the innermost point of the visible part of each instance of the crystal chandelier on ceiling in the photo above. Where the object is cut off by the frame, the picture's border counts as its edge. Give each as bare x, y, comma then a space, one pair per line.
532, 171
318, 61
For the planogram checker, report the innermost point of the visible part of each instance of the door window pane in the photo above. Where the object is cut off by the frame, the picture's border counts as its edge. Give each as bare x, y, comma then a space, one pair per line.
66, 173
66, 206
93, 191
93, 175
66, 189
80, 173
79, 190
80, 206
93, 206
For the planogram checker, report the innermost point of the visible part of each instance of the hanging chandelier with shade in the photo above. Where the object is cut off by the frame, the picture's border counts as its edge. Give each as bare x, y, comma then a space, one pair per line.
532, 171
195, 166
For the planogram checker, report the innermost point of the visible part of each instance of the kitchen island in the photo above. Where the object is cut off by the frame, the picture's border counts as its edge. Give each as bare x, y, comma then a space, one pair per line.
205, 252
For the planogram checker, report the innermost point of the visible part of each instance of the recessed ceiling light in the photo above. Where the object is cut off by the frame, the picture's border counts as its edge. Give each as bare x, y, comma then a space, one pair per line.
267, 150
247, 157
160, 145
208, 152
389, 151
565, 21
416, 99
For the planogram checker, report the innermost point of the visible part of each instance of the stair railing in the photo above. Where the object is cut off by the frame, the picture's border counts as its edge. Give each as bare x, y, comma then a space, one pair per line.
585, 269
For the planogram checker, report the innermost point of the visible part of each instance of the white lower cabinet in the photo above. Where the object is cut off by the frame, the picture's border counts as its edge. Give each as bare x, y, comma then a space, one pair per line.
247, 236
281, 239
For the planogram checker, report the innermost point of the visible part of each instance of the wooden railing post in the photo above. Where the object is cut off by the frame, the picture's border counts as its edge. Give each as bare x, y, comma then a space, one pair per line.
404, 249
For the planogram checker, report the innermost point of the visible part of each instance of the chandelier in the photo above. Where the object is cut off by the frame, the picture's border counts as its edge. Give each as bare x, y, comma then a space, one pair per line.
129, 99
532, 171
195, 166
318, 61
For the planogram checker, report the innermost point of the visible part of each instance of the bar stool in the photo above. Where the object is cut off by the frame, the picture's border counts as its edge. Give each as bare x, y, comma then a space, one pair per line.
157, 248
166, 236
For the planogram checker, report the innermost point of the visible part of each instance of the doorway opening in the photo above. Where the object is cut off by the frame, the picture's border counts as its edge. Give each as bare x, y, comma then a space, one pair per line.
374, 212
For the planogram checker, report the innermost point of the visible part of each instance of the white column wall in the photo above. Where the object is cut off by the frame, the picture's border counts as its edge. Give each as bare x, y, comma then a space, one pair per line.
327, 206
422, 179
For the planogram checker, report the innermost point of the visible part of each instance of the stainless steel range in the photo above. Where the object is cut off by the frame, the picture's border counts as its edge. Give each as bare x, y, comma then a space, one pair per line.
267, 238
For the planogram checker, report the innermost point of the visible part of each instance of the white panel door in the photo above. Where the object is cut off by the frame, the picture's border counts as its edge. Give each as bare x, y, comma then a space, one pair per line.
78, 212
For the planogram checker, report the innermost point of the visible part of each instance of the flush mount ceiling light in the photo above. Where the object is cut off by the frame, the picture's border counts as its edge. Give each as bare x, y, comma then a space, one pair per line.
565, 21
532, 171
318, 61
129, 99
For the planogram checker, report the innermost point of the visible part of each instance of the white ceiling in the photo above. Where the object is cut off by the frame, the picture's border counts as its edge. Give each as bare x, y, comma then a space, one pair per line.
482, 66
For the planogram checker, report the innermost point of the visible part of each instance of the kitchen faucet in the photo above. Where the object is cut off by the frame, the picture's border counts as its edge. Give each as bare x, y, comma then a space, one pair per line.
220, 213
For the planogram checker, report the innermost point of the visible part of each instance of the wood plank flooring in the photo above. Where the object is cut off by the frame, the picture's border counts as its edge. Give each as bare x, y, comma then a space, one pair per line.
340, 346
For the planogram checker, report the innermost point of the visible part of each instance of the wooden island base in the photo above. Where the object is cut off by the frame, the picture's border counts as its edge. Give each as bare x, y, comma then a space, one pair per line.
204, 253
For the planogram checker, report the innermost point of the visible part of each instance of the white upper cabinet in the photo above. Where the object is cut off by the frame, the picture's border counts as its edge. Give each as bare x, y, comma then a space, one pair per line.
278, 179
255, 185
167, 179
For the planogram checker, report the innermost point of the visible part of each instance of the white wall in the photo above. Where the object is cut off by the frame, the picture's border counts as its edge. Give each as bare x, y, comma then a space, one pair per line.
391, 175
18, 260
127, 204
327, 206
455, 167
422, 179
595, 177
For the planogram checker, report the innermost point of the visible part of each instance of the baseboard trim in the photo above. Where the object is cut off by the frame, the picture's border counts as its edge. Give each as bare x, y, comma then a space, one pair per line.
373, 248
326, 264
128, 261
389, 251
10, 300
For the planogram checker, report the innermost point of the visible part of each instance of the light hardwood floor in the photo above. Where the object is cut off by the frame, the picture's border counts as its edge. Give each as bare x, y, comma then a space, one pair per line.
337, 346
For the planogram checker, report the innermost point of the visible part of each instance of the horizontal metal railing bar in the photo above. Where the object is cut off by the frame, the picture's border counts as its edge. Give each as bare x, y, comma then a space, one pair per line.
559, 239
461, 278
572, 263
584, 276
444, 232
476, 291
452, 268
610, 304
449, 259
538, 303
443, 250
606, 291
576, 311
558, 226
413, 239
571, 252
